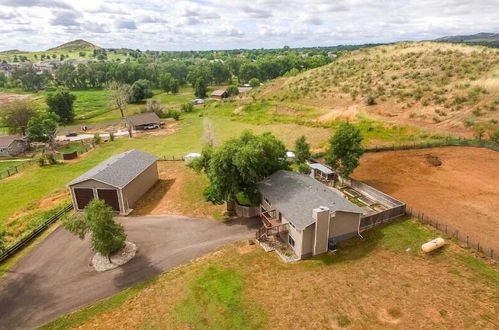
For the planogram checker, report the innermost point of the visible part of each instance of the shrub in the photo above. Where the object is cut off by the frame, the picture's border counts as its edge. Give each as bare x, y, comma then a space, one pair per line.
50, 158
371, 100
303, 168
97, 138
495, 136
232, 90
40, 160
187, 107
173, 114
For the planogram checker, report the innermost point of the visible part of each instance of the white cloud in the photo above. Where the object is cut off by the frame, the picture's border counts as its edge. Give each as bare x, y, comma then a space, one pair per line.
212, 24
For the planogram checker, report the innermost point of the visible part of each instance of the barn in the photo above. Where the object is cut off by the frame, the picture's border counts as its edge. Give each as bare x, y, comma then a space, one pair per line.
142, 120
119, 181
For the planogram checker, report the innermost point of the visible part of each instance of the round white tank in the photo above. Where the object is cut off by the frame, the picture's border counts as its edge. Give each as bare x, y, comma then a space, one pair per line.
433, 245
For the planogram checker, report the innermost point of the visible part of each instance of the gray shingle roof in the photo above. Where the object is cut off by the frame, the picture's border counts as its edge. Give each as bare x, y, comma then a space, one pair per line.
6, 141
295, 195
143, 119
120, 169
324, 169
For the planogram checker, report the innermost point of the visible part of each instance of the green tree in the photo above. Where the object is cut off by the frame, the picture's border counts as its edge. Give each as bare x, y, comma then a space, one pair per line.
200, 88
107, 236
61, 103
345, 149
166, 82
140, 90
232, 90
187, 107
3, 233
247, 71
302, 150
254, 82
43, 128
239, 164
17, 115
495, 136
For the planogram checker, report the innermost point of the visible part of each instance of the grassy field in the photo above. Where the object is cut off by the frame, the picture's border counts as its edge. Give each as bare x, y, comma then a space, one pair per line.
382, 280
447, 87
8, 164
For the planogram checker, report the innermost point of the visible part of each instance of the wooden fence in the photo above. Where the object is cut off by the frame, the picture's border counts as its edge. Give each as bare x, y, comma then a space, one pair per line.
172, 158
37, 231
448, 142
15, 169
450, 231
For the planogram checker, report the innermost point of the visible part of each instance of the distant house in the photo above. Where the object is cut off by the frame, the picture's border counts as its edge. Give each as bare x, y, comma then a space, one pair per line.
119, 181
290, 155
142, 120
219, 94
304, 214
12, 145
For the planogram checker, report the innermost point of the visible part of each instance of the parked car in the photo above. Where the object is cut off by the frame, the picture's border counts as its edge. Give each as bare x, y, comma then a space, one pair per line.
72, 134
197, 101
152, 126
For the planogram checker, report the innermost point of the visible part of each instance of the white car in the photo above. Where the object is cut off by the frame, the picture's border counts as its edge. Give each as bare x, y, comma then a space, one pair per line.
151, 126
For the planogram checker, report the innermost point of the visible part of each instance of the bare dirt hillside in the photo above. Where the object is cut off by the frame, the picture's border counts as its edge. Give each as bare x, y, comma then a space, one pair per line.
460, 189
450, 87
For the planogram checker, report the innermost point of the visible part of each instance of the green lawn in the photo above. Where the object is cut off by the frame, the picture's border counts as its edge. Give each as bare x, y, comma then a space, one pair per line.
8, 164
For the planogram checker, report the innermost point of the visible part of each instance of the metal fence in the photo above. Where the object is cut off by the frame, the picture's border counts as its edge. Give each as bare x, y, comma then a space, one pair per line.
452, 232
448, 142
37, 231
15, 169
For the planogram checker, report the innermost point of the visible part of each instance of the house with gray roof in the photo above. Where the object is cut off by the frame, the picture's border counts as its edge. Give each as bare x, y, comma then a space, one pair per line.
119, 181
12, 145
305, 214
143, 120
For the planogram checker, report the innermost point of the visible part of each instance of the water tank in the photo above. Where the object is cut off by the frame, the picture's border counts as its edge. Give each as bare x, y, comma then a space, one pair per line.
433, 245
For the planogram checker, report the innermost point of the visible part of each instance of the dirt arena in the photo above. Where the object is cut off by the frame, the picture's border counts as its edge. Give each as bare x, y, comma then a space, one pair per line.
463, 191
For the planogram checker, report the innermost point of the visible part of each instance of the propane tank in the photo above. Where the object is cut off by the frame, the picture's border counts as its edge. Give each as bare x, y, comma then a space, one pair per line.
433, 245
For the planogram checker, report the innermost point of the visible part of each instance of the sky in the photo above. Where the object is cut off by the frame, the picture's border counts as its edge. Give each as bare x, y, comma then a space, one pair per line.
228, 24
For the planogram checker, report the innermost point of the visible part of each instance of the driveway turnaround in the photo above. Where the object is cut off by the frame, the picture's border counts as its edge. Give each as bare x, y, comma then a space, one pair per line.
56, 277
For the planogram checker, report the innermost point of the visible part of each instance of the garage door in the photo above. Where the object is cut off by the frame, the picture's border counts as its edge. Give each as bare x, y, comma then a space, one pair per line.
110, 196
83, 196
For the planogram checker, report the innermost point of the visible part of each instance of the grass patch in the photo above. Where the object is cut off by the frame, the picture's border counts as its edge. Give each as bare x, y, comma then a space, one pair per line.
215, 301
8, 164
79, 147
78, 318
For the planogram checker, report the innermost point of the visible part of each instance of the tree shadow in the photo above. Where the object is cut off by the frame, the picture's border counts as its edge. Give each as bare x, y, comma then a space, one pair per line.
137, 270
153, 197
21, 298
250, 223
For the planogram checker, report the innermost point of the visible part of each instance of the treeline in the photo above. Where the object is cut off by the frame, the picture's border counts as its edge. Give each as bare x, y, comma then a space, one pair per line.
98, 74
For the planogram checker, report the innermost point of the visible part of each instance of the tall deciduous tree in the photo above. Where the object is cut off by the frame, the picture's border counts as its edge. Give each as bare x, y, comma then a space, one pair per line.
120, 93
17, 114
43, 128
345, 149
239, 164
302, 150
140, 90
107, 236
61, 103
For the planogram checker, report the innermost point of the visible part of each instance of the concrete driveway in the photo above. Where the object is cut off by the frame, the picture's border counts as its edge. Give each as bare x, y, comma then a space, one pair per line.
55, 277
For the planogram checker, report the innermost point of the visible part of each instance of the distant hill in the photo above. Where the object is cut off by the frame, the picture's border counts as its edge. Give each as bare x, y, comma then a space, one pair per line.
447, 86
479, 37
75, 45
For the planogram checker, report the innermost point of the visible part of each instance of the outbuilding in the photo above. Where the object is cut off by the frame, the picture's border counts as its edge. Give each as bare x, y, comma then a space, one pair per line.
12, 145
143, 120
119, 181
219, 94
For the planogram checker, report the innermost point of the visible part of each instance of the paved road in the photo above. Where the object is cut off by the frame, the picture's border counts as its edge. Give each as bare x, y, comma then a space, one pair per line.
55, 277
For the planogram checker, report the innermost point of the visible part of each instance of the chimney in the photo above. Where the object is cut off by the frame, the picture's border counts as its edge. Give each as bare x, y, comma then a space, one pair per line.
321, 216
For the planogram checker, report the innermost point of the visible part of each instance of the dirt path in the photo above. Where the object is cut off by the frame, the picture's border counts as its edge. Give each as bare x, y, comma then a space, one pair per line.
463, 191
55, 278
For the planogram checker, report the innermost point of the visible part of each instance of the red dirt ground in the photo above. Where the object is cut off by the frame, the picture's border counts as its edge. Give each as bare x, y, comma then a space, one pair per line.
462, 192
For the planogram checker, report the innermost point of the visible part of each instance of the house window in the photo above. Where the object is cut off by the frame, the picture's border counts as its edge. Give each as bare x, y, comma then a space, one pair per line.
291, 241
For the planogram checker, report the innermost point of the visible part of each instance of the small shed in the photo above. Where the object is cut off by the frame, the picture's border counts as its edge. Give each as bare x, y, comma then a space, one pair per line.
119, 181
322, 172
141, 120
219, 94
12, 145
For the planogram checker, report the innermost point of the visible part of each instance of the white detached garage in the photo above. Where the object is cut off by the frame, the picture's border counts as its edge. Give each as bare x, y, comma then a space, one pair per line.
119, 181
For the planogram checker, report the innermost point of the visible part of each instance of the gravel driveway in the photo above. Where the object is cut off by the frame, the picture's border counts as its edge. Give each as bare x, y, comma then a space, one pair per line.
55, 277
